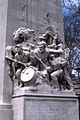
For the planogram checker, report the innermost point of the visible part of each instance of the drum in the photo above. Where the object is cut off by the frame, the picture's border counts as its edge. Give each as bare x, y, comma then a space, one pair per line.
27, 74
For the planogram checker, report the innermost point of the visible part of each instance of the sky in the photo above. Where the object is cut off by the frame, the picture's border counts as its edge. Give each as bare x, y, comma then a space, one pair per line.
74, 1
67, 3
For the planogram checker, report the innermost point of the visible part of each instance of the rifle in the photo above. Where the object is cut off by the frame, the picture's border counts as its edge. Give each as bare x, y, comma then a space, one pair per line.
24, 65
45, 67
13, 60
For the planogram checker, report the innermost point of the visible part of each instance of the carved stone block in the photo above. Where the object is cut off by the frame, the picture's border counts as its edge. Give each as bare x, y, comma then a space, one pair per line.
45, 107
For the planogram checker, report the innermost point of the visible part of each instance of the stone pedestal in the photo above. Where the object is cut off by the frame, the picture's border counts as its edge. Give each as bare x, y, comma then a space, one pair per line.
36, 106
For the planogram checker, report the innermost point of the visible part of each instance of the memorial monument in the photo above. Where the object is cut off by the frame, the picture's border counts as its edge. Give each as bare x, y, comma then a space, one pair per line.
35, 81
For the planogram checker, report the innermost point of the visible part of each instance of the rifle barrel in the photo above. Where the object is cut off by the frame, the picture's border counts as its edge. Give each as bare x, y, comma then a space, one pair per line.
13, 60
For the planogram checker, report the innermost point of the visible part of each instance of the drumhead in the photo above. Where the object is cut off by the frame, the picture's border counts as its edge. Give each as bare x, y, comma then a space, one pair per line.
27, 74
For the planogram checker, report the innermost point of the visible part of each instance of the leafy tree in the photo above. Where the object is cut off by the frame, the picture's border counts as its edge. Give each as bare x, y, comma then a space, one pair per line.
71, 17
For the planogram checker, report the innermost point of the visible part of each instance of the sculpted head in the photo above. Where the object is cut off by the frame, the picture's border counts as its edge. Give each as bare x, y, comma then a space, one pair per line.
50, 31
22, 34
52, 56
42, 45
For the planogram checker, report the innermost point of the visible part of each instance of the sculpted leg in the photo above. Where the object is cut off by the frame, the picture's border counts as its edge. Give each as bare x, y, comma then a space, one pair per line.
18, 74
54, 76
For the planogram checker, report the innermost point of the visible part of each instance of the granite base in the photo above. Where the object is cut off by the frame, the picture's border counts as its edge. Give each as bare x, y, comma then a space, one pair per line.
36, 106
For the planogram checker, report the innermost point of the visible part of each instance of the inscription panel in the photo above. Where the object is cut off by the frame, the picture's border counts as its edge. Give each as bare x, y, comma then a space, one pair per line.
50, 110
